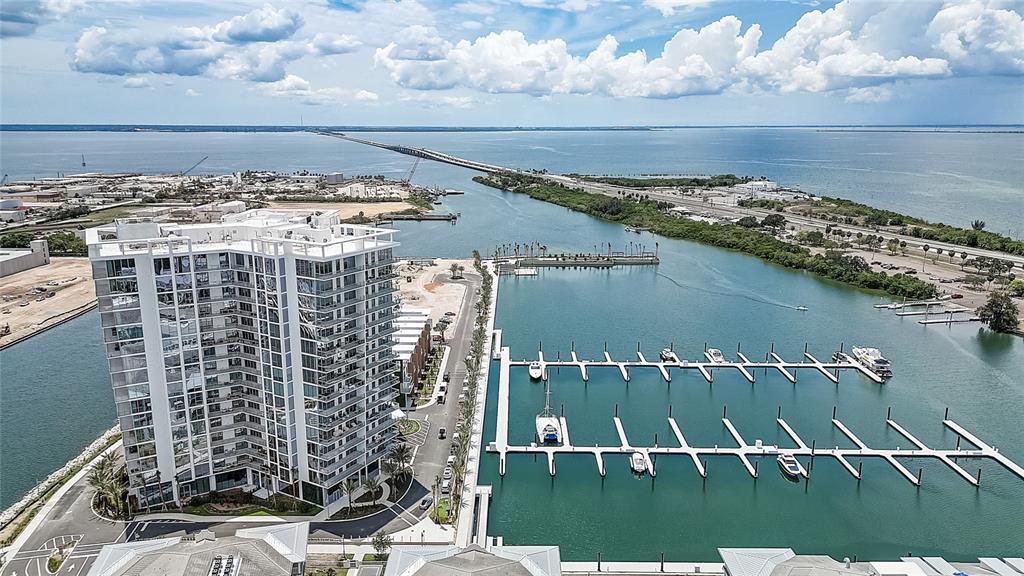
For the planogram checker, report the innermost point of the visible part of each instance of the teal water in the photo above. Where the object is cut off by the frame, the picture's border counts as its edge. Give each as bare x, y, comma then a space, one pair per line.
698, 294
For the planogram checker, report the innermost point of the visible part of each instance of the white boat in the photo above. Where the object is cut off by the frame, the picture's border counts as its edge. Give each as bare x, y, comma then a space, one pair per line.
802, 308
638, 463
549, 428
715, 355
536, 370
872, 359
667, 354
789, 466
631, 229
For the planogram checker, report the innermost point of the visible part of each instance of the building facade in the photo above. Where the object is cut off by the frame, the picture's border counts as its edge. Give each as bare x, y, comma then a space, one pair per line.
412, 346
255, 352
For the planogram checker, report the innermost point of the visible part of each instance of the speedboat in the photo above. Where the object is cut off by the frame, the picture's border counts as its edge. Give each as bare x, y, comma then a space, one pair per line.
638, 463
789, 466
872, 359
666, 354
802, 308
715, 356
536, 370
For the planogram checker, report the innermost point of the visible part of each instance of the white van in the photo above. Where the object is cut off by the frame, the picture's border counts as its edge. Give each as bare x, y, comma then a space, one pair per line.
446, 486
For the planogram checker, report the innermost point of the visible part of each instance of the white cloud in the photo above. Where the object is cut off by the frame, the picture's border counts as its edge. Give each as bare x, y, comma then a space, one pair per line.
267, 24
692, 62
852, 46
23, 17
869, 95
137, 82
669, 7
299, 88
434, 100
327, 43
193, 93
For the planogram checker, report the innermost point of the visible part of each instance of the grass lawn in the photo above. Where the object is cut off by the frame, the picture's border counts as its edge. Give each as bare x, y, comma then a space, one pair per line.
408, 427
247, 510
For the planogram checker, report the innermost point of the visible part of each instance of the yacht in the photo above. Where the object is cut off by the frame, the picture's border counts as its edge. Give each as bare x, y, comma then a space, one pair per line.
536, 370
802, 308
789, 466
667, 354
872, 359
638, 463
715, 356
549, 428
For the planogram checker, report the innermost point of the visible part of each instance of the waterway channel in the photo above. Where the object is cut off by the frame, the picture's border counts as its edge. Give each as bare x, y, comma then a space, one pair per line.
56, 398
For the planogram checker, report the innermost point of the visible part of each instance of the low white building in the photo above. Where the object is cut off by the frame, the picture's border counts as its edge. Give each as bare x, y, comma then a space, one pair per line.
14, 260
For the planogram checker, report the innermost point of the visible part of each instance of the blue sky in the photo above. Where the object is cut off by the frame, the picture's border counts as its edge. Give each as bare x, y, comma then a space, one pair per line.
512, 62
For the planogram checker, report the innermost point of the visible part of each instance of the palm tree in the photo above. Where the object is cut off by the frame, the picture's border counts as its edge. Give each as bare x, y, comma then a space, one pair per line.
926, 248
461, 269
963, 260
371, 484
401, 454
391, 468
978, 225
350, 486
454, 270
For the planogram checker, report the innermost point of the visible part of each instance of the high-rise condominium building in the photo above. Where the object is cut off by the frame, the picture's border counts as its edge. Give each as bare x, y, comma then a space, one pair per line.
252, 352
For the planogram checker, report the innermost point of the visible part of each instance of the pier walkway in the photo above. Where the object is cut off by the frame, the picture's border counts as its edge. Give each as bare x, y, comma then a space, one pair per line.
707, 366
748, 454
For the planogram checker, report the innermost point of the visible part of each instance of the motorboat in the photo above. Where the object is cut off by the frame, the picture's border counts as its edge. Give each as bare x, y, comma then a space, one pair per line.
549, 428
790, 466
715, 356
638, 463
802, 308
536, 370
632, 229
667, 354
872, 359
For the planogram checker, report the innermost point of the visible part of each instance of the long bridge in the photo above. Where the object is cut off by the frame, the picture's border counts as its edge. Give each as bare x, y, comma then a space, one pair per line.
748, 454
424, 153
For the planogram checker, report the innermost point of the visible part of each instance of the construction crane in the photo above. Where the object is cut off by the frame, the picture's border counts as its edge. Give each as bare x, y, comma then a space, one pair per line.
415, 164
194, 166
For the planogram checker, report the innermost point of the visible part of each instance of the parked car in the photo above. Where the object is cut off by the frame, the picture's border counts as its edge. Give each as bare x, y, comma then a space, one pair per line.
426, 502
956, 296
451, 461
442, 432
447, 377
446, 486
447, 474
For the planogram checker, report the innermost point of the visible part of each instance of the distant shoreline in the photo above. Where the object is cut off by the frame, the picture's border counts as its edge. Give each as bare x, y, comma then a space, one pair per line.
185, 128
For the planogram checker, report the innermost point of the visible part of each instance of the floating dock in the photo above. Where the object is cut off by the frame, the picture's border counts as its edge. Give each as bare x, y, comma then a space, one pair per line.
749, 455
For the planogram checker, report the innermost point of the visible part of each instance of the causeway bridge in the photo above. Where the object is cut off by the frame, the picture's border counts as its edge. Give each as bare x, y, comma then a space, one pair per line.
424, 153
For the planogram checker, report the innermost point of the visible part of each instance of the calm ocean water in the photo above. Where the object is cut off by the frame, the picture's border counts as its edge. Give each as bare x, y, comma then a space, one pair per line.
698, 294
953, 177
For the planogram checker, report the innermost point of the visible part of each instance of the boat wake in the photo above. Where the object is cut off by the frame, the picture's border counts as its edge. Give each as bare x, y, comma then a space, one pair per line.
729, 294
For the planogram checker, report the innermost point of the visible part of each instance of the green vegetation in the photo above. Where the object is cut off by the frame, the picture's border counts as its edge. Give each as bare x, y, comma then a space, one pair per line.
408, 427
61, 243
442, 511
239, 503
381, 545
327, 572
848, 212
16, 240
652, 216
1015, 288
421, 201
56, 560
110, 482
668, 181
999, 312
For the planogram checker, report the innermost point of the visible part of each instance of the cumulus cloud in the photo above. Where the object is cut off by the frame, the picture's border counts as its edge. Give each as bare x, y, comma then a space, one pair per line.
869, 95
435, 100
859, 47
266, 24
256, 46
299, 88
22, 17
192, 93
692, 62
137, 82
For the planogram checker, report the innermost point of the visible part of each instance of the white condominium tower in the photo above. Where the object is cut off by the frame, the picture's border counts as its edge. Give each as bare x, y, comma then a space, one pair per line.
252, 352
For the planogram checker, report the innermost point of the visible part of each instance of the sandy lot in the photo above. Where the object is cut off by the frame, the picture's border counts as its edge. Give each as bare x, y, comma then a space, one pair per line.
75, 289
347, 209
426, 291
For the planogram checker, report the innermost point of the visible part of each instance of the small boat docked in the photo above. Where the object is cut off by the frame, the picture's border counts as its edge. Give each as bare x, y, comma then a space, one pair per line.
789, 466
715, 355
872, 359
549, 428
536, 370
666, 354
637, 463
632, 229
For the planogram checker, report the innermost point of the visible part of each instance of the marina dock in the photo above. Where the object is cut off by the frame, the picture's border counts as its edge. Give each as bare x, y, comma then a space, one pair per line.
707, 367
749, 455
